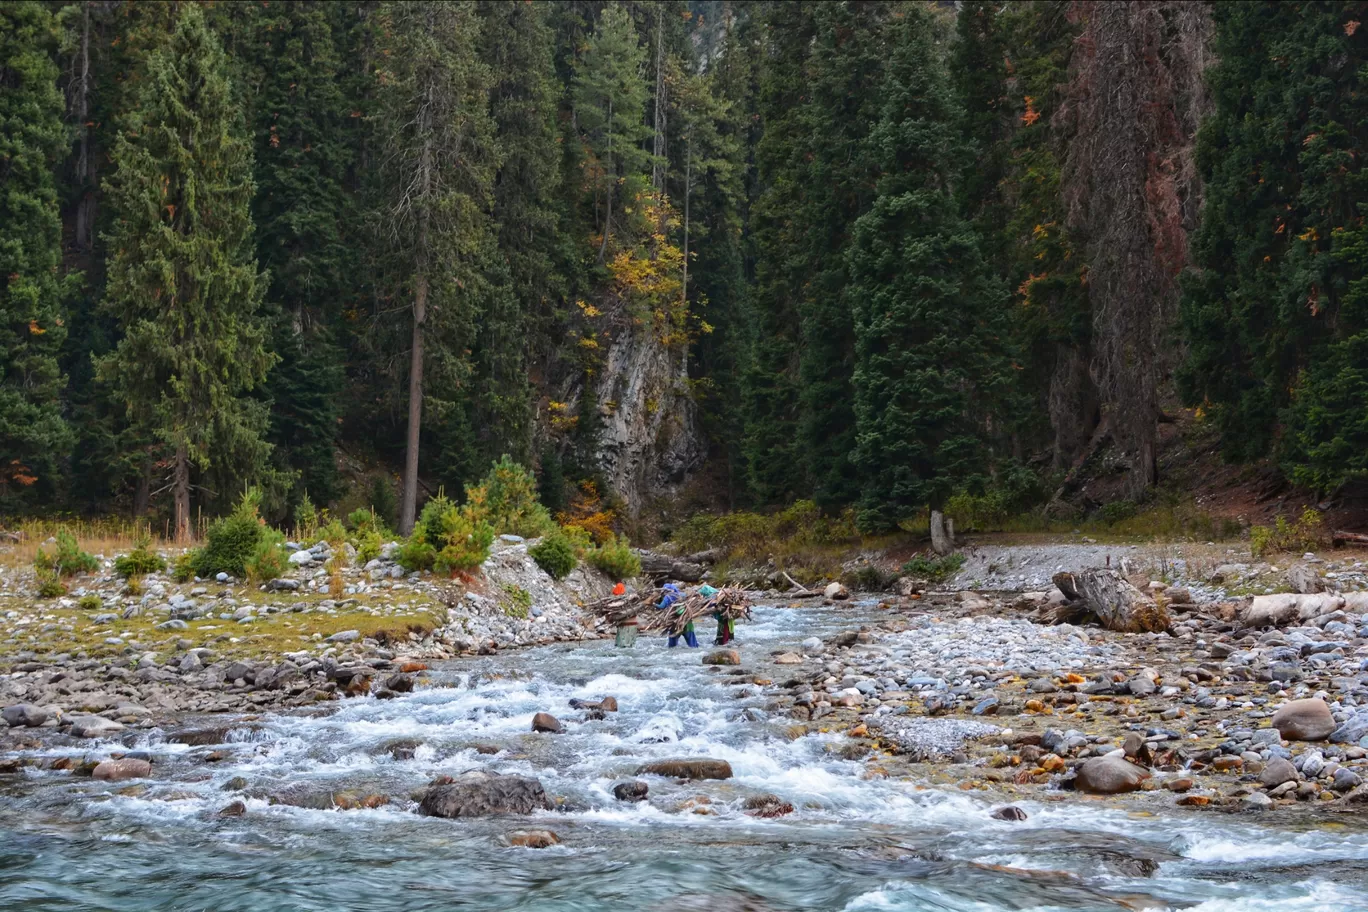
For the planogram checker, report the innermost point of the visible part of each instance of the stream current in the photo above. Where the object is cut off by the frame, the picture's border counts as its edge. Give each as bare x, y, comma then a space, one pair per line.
852, 844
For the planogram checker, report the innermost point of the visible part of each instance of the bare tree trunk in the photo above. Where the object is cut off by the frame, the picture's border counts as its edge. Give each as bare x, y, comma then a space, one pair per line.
142, 491
409, 510
688, 172
940, 542
85, 209
608, 169
658, 146
180, 487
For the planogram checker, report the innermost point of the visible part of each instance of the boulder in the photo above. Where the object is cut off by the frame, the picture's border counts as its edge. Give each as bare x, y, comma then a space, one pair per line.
722, 657
666, 567
788, 658
1109, 775
481, 794
25, 715
532, 839
545, 722
909, 585
83, 726
1304, 720
633, 790
767, 807
283, 585
300, 558
235, 809
1277, 772
687, 769
836, 591
119, 770
1302, 577
1008, 813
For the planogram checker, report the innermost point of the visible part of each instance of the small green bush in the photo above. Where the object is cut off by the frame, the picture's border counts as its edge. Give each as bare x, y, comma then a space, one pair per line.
616, 559
448, 538
306, 519
366, 520
511, 501
141, 561
1117, 511
368, 545
1306, 534
383, 501
934, 569
519, 604
50, 585
232, 539
556, 553
90, 603
183, 570
268, 560
332, 532
68, 560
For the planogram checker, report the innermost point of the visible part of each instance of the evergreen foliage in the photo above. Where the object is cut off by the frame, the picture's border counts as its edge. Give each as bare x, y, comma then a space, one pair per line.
34, 437
183, 280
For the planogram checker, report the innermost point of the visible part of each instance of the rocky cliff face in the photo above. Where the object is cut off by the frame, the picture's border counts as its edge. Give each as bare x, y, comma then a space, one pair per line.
650, 438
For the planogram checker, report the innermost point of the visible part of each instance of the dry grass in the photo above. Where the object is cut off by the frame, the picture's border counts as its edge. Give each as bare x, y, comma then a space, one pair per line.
101, 537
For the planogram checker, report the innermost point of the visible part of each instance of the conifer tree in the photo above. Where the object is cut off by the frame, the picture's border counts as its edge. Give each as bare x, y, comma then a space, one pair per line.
34, 437
182, 276
928, 310
609, 93
439, 164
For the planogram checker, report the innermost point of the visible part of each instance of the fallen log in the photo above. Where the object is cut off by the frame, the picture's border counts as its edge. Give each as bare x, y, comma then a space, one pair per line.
1116, 604
1340, 537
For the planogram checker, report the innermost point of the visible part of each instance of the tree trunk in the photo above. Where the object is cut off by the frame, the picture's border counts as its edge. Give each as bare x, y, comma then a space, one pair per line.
85, 209
408, 512
608, 204
180, 487
1117, 604
658, 145
688, 172
142, 491
940, 542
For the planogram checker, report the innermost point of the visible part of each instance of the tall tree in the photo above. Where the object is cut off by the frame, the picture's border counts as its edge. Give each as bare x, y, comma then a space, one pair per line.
34, 437
182, 276
1274, 310
609, 93
929, 313
1135, 97
439, 163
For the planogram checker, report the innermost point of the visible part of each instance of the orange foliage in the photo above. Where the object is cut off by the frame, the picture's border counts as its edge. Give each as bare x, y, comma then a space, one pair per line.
586, 510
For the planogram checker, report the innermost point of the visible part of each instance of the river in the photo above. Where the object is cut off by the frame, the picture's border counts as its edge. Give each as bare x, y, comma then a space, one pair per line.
853, 843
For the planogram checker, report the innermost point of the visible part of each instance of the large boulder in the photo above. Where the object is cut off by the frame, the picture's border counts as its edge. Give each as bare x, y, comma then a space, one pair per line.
480, 794
1304, 720
119, 770
722, 657
1278, 771
687, 769
836, 591
1109, 775
1302, 577
545, 722
25, 714
84, 726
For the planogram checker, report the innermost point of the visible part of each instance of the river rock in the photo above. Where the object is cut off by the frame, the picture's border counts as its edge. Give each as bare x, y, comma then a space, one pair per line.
1304, 720
481, 794
687, 769
767, 807
532, 839
1277, 772
83, 726
25, 715
722, 657
545, 722
1110, 775
1008, 813
1302, 577
632, 790
119, 770
235, 809
788, 658
836, 591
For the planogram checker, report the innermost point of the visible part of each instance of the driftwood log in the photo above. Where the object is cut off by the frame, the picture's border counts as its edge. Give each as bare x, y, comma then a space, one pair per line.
1109, 597
1340, 537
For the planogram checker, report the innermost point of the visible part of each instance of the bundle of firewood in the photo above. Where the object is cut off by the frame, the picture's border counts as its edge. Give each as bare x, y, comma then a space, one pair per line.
731, 603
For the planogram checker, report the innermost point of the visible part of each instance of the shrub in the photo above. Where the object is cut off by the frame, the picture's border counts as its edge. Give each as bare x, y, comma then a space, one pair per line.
1117, 511
183, 570
332, 531
50, 585
556, 553
366, 520
268, 560
519, 604
68, 560
383, 502
133, 586
90, 603
306, 519
448, 538
1306, 534
616, 559
141, 561
232, 540
511, 499
588, 511
934, 569
868, 578
368, 546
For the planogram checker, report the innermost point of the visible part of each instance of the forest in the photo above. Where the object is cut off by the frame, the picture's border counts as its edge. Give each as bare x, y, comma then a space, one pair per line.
874, 255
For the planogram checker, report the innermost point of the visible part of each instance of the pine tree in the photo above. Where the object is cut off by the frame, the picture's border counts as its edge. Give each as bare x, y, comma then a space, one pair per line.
1274, 312
978, 69
609, 94
928, 310
34, 437
305, 235
440, 161
182, 278
774, 453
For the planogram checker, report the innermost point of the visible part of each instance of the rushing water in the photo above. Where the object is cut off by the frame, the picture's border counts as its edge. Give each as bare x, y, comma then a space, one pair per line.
853, 843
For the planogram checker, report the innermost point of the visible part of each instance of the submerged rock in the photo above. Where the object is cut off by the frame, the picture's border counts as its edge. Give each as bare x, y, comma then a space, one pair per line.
545, 722
687, 769
119, 770
1008, 813
480, 794
632, 790
532, 839
722, 657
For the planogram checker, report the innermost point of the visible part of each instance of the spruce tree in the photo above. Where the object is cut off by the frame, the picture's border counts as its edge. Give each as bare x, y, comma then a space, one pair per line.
182, 276
434, 197
34, 437
928, 310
